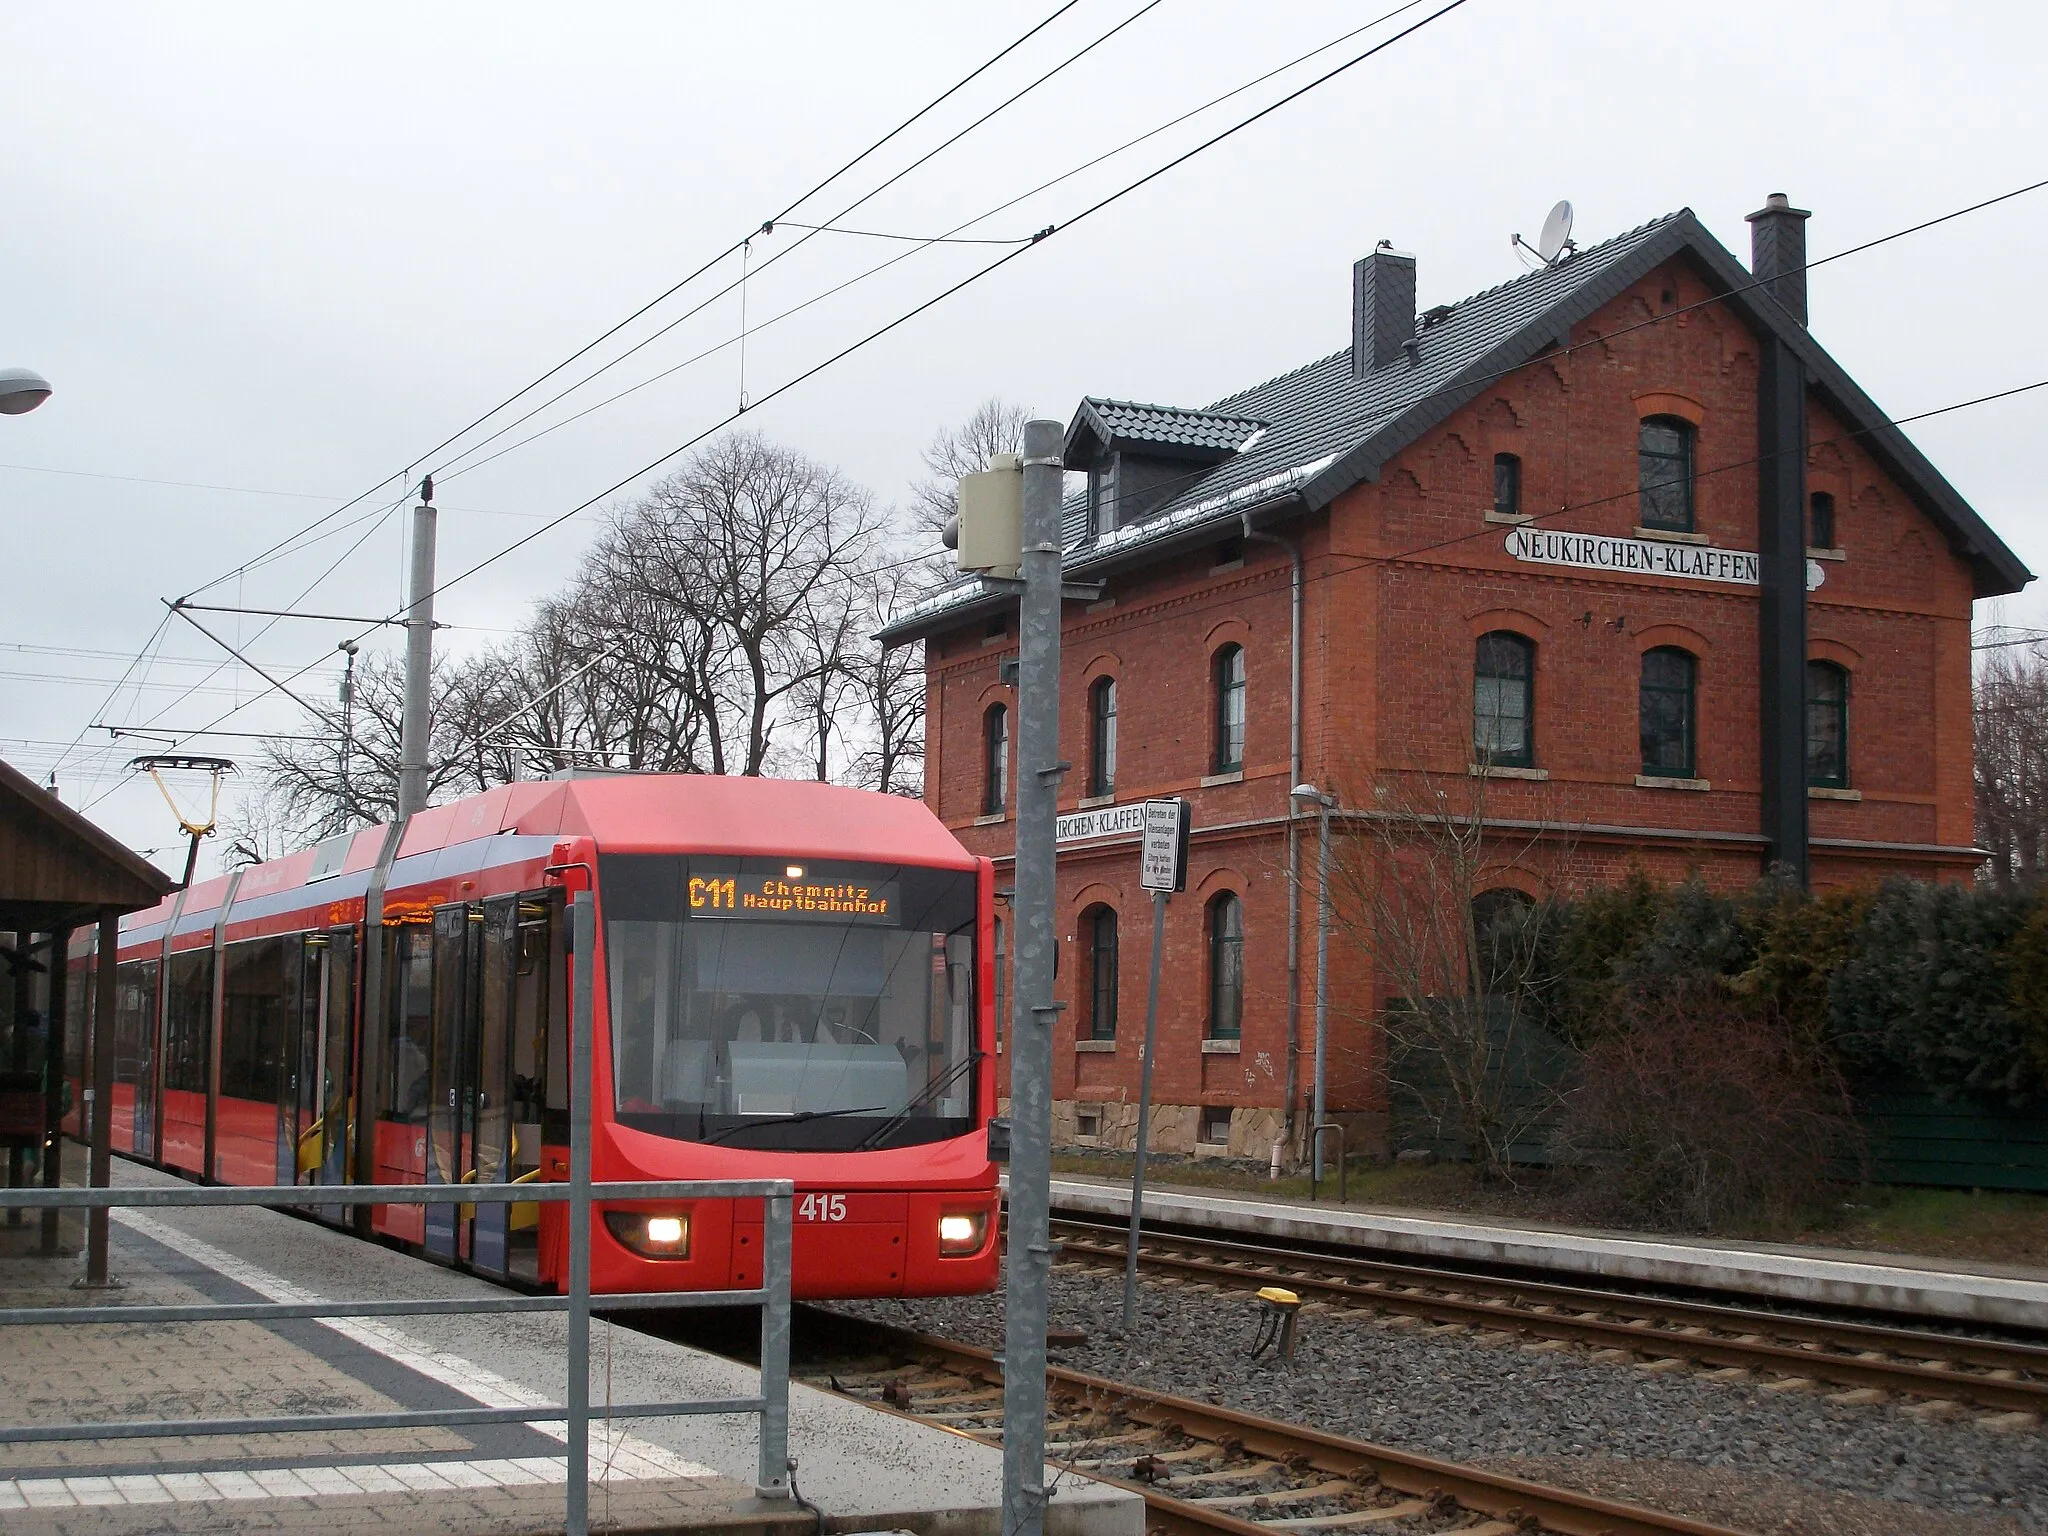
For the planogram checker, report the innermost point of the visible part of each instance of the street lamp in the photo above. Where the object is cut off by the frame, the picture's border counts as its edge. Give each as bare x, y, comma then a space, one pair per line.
1324, 804
21, 391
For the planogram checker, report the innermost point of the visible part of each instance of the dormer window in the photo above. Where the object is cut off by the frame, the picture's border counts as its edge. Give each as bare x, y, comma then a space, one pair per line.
1102, 497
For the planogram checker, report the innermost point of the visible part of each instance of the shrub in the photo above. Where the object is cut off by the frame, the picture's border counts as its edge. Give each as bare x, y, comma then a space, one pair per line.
1929, 991
1704, 1112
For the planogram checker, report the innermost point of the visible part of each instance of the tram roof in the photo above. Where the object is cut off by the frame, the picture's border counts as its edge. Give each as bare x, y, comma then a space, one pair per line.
627, 813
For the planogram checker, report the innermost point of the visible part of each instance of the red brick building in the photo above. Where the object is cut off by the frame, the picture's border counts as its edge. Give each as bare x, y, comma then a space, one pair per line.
1615, 543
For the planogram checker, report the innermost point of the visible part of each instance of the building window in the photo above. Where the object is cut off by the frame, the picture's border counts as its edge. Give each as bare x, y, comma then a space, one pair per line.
1507, 485
1102, 737
1664, 473
1099, 923
1215, 1125
1827, 725
1820, 531
995, 760
1504, 701
1226, 967
1229, 679
1669, 676
1499, 935
1102, 498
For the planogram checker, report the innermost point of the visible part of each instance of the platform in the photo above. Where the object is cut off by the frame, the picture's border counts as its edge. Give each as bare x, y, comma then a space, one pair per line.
865, 1469
1905, 1285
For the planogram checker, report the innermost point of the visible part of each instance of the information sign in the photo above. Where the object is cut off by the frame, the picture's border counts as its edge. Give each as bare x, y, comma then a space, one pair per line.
1163, 851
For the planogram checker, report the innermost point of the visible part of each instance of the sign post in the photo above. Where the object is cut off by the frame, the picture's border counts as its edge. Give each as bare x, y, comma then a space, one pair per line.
1162, 870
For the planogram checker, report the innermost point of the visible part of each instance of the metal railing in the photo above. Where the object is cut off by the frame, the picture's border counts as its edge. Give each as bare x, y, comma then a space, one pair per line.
771, 1403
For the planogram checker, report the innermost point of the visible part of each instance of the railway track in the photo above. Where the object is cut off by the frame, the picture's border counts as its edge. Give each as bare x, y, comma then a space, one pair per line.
1205, 1469
1869, 1362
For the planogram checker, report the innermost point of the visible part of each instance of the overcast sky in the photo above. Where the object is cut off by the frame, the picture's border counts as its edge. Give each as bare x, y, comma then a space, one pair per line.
281, 252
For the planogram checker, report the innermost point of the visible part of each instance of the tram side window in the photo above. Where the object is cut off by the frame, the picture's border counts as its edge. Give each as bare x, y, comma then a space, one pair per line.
187, 1021
412, 1023
135, 1021
256, 1004
535, 1008
77, 1020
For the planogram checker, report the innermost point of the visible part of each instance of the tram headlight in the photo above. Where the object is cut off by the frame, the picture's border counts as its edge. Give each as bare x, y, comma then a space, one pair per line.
962, 1232
653, 1237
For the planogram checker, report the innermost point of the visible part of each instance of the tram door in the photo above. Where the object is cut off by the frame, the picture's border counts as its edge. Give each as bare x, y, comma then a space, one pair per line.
319, 1109
470, 1127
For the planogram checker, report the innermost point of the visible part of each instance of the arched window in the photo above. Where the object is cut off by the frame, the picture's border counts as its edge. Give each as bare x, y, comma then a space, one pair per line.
1102, 736
1669, 677
1827, 725
1504, 700
1507, 485
1500, 935
995, 760
1820, 528
1664, 473
1229, 682
1099, 926
1226, 967
1001, 979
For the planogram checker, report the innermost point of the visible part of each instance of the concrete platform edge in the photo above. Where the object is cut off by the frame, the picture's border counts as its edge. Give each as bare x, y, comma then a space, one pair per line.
1907, 1292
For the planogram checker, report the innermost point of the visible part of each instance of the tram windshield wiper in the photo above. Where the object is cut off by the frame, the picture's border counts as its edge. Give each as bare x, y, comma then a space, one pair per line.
882, 1132
795, 1117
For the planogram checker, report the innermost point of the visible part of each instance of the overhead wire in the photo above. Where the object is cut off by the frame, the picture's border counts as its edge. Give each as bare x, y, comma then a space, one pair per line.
292, 541
938, 298
456, 468
448, 468
664, 295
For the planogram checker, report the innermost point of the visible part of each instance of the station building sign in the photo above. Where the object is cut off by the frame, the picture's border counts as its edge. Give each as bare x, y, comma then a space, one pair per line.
1102, 821
1643, 557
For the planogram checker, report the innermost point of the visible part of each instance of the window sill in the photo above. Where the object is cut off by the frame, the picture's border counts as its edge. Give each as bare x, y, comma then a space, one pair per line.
993, 819
1824, 792
1813, 553
1504, 771
1511, 519
1211, 780
1100, 605
1092, 802
1104, 1046
1222, 1047
989, 640
1671, 535
1661, 781
1223, 567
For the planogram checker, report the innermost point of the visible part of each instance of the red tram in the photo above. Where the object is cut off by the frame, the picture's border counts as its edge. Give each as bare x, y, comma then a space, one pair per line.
795, 985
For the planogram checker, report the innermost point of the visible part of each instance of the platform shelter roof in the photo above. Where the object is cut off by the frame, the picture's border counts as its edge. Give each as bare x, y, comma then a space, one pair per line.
59, 870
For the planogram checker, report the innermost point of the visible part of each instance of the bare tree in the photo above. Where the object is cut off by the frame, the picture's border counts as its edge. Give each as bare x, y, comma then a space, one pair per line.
887, 687
1417, 887
2012, 767
995, 426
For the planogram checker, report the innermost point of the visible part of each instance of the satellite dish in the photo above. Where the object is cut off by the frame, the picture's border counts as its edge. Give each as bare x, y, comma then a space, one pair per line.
1556, 238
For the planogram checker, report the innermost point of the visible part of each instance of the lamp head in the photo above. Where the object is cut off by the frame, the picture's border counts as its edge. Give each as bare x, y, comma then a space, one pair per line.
21, 391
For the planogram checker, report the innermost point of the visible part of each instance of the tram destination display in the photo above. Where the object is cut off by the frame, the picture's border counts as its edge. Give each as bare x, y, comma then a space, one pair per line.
791, 897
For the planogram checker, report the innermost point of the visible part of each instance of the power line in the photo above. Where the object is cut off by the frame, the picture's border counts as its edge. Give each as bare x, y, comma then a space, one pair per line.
662, 296
448, 468
452, 472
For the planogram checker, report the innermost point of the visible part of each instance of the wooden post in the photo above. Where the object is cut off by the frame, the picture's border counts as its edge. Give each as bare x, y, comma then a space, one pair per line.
53, 1078
101, 1172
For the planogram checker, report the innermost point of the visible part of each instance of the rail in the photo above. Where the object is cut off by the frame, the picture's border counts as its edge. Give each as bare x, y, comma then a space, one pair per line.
770, 1403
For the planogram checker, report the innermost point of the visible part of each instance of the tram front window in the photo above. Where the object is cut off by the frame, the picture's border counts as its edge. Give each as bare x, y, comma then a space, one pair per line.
790, 1004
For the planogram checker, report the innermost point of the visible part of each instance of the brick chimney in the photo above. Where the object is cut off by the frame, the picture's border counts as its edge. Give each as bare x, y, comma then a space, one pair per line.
1382, 309
1777, 252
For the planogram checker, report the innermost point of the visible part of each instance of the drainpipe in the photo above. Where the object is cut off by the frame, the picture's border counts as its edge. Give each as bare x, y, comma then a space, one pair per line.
1294, 777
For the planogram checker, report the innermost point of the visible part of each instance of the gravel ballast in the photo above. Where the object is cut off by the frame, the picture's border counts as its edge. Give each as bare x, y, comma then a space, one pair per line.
1731, 1452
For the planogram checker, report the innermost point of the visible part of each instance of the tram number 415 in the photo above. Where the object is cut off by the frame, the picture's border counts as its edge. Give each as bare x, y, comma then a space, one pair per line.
821, 1208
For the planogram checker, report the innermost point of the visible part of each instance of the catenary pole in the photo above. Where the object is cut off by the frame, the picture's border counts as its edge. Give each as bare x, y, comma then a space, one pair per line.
416, 726
1029, 1256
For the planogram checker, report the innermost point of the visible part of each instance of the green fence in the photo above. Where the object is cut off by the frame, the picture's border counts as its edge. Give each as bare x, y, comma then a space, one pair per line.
1916, 1138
